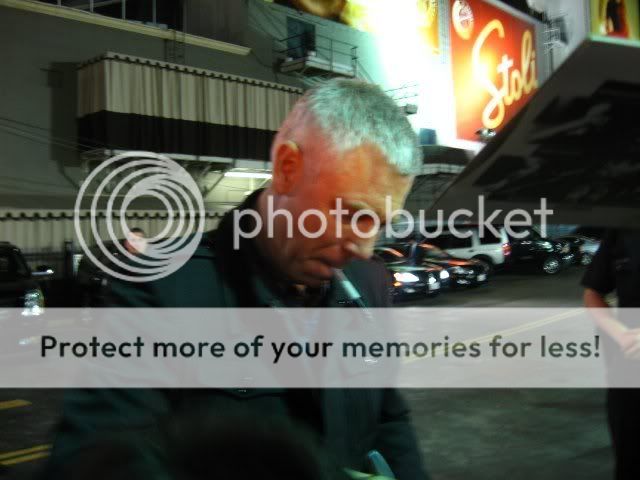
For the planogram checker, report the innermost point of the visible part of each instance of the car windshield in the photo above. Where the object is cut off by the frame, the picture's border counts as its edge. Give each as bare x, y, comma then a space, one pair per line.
576, 240
526, 233
403, 249
12, 266
390, 255
432, 252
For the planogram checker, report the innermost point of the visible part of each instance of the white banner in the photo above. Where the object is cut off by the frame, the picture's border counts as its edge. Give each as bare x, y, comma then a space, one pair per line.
320, 348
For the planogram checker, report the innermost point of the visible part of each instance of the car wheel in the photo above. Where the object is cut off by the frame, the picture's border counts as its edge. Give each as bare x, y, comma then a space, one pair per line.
487, 262
551, 265
586, 259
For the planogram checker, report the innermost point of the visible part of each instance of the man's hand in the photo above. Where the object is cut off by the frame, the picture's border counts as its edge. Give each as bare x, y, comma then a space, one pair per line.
629, 342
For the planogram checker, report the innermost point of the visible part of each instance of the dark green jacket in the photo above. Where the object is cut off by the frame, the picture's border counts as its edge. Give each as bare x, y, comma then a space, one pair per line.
353, 421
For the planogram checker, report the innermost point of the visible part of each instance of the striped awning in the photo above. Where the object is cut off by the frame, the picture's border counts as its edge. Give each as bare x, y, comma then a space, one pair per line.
134, 103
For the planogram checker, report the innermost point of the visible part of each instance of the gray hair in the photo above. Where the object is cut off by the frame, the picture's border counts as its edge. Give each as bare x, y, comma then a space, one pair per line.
351, 113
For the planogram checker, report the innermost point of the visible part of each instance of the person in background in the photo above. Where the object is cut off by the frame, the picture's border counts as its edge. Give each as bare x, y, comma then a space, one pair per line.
616, 268
136, 241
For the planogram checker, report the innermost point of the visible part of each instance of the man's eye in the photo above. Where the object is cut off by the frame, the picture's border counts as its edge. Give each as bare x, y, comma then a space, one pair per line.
349, 215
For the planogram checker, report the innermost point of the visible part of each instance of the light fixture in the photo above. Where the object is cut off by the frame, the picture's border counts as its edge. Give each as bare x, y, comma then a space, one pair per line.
410, 109
232, 174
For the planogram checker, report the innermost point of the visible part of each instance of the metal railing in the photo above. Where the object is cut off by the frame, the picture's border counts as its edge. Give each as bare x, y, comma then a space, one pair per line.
335, 52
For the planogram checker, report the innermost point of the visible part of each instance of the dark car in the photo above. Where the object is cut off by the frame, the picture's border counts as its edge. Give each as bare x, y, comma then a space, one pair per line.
530, 249
21, 298
583, 248
462, 272
411, 280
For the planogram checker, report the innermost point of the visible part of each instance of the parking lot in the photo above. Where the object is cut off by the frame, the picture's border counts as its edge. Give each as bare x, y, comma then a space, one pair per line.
480, 434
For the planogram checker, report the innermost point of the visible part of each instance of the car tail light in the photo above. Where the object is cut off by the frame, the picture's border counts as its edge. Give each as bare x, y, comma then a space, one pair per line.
506, 249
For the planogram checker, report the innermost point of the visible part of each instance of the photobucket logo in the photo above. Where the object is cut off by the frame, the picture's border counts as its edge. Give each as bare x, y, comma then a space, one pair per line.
124, 179
366, 223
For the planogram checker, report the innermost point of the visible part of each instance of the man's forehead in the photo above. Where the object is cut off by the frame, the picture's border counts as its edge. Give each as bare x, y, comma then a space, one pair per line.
361, 177
366, 163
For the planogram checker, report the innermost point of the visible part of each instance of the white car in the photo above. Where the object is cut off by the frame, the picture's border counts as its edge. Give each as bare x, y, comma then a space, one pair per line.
490, 249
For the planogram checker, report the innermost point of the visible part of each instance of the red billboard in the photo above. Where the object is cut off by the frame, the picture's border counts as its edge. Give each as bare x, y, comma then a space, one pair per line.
494, 65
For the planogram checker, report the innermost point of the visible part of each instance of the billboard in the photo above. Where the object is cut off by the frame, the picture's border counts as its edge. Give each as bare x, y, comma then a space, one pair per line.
374, 16
616, 18
493, 57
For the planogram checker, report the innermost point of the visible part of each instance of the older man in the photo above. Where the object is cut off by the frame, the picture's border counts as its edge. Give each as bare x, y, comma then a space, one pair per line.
345, 146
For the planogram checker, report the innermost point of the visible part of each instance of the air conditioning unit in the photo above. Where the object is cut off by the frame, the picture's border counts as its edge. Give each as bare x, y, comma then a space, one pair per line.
558, 28
427, 136
410, 109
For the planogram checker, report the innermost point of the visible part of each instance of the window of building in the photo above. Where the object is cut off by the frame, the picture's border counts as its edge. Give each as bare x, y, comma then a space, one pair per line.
301, 38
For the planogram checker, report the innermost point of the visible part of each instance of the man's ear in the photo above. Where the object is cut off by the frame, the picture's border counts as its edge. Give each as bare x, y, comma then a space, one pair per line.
288, 167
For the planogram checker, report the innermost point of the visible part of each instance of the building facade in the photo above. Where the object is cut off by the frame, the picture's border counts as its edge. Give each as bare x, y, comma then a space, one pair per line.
207, 82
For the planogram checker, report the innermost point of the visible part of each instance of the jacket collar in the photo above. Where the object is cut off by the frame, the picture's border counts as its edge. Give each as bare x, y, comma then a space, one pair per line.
248, 274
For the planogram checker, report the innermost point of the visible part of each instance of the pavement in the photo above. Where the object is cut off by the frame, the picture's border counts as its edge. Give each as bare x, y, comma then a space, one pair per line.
464, 434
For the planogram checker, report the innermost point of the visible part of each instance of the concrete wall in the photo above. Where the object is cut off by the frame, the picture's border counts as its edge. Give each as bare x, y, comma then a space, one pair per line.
219, 19
39, 158
38, 90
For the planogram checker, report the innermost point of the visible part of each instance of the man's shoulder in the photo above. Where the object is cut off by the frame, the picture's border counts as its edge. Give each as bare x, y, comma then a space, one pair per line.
206, 247
196, 283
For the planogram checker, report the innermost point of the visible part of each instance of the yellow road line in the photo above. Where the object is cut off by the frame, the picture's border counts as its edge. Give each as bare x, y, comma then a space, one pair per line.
26, 458
25, 451
509, 331
13, 404
529, 326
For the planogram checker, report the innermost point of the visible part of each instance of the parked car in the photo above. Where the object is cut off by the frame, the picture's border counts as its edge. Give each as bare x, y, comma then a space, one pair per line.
21, 298
527, 248
597, 233
412, 280
462, 272
491, 249
530, 249
583, 248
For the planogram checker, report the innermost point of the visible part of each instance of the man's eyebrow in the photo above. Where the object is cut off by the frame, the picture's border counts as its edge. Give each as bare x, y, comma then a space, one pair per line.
362, 205
357, 205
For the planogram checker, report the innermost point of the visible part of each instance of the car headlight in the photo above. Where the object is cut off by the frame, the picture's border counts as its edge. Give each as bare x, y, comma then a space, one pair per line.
444, 275
432, 280
405, 277
33, 303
